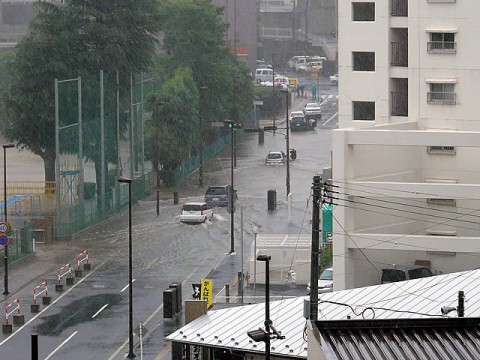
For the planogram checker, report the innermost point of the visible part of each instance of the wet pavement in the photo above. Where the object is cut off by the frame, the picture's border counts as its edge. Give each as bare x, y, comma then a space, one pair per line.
165, 252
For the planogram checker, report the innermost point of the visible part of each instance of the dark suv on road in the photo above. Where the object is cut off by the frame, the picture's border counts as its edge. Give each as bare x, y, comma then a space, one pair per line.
218, 195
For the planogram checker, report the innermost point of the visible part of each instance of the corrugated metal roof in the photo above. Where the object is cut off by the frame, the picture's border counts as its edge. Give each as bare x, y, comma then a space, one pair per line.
400, 339
420, 298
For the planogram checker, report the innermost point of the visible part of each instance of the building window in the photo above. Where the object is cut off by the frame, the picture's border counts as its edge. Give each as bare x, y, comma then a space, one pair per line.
442, 43
442, 94
399, 7
441, 150
363, 11
363, 110
363, 61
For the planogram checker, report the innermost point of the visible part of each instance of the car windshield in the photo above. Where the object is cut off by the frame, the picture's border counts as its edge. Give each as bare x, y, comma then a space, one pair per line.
419, 273
326, 275
274, 156
393, 275
309, 106
217, 191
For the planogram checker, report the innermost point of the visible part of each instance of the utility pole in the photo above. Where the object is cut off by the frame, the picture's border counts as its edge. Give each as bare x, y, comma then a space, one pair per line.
273, 88
317, 204
307, 6
232, 126
200, 155
235, 28
287, 138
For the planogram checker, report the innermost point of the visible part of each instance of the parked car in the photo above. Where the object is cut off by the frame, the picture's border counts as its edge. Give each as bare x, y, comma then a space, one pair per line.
300, 64
334, 79
293, 60
261, 64
219, 195
262, 75
275, 158
196, 212
293, 84
404, 273
325, 282
312, 109
295, 113
282, 79
314, 66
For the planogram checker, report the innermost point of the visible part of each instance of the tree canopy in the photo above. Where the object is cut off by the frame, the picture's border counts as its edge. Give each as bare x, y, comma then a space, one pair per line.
65, 41
173, 127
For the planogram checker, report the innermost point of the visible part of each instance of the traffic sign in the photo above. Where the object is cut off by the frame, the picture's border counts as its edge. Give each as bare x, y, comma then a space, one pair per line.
3, 227
3, 240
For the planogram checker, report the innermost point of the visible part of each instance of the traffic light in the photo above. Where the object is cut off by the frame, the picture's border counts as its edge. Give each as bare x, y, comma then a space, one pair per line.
232, 124
293, 154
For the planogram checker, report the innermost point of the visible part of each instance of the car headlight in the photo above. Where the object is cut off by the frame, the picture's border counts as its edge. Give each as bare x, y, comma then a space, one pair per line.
329, 286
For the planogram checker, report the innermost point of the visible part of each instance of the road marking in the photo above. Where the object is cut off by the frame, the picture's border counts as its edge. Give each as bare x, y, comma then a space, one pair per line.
59, 346
53, 303
333, 116
119, 349
99, 311
126, 287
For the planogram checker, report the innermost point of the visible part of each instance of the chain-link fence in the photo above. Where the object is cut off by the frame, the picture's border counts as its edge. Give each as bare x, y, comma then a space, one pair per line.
99, 138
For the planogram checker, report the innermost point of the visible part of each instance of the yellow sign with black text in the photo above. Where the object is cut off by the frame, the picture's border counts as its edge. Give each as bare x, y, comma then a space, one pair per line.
206, 291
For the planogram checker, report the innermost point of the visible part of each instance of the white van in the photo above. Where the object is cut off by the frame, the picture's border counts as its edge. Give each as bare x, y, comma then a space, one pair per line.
262, 75
293, 60
300, 64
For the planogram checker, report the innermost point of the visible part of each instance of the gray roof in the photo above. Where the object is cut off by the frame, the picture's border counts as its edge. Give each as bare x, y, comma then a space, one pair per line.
405, 339
420, 298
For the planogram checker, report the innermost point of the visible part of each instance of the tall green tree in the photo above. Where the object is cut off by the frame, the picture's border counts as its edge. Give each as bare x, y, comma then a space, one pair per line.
65, 41
171, 133
194, 36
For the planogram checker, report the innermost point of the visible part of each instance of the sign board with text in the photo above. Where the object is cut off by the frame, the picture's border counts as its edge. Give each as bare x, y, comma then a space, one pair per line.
206, 292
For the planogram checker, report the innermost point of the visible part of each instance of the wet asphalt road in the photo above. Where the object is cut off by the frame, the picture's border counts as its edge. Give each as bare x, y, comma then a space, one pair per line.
90, 319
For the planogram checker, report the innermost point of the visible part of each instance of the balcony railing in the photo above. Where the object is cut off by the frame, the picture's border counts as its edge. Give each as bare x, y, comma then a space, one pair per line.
399, 103
443, 98
442, 47
276, 33
277, 5
399, 54
399, 7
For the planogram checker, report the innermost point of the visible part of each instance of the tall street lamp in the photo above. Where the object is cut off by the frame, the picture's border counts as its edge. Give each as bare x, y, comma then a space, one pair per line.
5, 147
287, 138
273, 88
232, 126
130, 355
270, 331
255, 232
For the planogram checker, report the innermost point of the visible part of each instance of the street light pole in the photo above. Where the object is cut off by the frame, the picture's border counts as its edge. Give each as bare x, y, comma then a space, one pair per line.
273, 88
287, 138
267, 259
130, 355
5, 147
231, 197
255, 232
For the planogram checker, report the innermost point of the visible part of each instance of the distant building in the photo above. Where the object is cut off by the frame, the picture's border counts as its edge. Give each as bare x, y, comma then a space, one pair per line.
241, 15
405, 156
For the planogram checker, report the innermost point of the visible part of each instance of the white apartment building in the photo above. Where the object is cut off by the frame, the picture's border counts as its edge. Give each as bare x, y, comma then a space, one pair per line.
406, 156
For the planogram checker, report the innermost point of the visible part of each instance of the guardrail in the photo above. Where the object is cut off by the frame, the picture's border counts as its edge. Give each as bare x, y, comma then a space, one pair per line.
62, 272
18, 319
